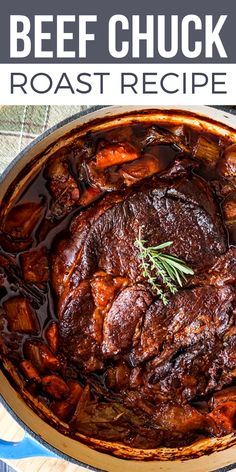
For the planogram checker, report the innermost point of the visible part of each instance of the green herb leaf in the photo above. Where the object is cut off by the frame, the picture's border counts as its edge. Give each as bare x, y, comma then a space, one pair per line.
154, 263
161, 246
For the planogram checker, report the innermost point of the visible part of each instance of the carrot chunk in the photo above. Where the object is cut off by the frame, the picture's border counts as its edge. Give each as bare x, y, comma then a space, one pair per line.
41, 356
51, 335
90, 194
55, 386
224, 417
115, 154
29, 370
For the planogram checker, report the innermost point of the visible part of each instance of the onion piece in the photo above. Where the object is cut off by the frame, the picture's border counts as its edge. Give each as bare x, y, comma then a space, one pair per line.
206, 150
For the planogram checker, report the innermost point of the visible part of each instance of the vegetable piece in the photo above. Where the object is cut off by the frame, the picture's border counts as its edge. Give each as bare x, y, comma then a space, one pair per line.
13, 275
20, 315
12, 245
178, 130
171, 269
109, 421
102, 420
182, 418
21, 220
51, 335
136, 377
29, 371
41, 356
90, 194
206, 150
156, 135
83, 400
229, 212
117, 377
229, 208
224, 417
102, 170
143, 167
227, 164
35, 266
115, 154
179, 168
55, 386
3, 348
65, 409
223, 396
62, 186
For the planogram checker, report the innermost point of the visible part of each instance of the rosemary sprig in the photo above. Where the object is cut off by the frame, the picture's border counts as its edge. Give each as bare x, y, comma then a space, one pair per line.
154, 263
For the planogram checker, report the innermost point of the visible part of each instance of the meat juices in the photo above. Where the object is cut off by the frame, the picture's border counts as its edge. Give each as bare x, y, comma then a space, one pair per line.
81, 326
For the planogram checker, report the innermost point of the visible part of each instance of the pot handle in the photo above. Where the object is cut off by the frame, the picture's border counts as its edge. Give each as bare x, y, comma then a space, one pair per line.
27, 447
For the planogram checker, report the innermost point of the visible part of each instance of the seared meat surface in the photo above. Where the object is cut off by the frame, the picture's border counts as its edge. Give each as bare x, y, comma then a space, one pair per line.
168, 355
102, 238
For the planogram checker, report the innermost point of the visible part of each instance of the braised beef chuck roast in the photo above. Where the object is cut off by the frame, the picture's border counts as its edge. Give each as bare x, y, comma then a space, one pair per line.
179, 349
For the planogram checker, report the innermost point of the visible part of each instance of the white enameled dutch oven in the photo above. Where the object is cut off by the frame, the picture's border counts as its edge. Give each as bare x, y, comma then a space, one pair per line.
42, 439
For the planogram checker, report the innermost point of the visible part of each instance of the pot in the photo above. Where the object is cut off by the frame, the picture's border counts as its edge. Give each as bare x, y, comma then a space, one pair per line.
203, 456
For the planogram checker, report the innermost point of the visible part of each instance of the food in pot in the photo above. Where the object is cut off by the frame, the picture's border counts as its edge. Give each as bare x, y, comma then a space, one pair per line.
118, 286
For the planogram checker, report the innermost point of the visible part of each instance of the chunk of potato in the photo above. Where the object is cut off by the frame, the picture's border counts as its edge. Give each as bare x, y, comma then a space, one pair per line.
227, 164
21, 220
20, 315
35, 266
64, 409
